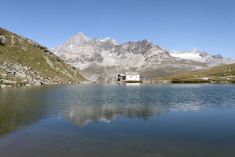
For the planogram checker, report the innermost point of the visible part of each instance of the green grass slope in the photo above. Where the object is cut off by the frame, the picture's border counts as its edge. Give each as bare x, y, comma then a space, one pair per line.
221, 74
25, 62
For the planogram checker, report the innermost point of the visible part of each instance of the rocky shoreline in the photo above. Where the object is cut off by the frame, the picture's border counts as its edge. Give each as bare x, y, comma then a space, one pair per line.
17, 75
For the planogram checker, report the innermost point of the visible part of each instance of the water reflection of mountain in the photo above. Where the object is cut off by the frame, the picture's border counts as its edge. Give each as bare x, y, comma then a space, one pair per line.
106, 103
95, 103
84, 114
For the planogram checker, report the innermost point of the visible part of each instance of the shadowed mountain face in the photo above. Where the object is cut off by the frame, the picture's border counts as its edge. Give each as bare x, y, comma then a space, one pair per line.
101, 59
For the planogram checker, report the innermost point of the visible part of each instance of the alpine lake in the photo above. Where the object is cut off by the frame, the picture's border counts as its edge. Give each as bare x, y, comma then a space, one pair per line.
184, 120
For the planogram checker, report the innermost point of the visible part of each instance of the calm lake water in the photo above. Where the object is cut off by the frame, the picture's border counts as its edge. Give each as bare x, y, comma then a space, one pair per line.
118, 121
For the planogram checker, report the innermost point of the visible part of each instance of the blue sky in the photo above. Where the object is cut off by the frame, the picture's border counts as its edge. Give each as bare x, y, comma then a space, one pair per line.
173, 24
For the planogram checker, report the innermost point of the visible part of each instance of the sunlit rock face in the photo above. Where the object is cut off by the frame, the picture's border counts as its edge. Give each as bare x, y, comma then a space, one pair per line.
101, 59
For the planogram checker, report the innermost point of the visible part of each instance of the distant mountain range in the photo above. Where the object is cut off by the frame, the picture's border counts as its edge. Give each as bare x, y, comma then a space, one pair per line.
25, 62
100, 60
203, 57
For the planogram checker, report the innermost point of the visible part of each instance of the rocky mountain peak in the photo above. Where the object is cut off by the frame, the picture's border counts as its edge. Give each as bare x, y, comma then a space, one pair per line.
109, 40
101, 59
147, 44
200, 53
81, 35
217, 56
139, 47
79, 38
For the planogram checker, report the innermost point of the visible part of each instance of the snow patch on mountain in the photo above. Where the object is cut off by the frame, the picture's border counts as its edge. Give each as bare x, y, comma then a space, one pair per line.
193, 55
202, 56
108, 39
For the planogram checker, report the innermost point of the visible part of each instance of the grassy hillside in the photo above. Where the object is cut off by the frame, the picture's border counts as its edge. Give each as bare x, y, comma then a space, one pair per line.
219, 74
25, 62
